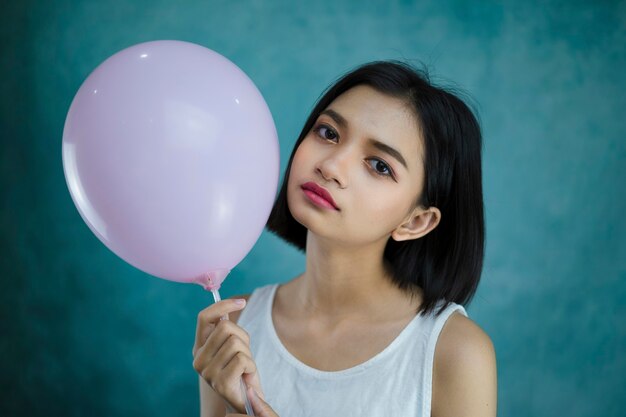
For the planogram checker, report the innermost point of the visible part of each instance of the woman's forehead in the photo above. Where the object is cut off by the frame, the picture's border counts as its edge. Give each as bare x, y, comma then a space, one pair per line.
369, 114
364, 106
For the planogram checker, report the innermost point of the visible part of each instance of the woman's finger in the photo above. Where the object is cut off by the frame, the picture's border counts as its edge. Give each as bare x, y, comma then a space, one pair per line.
223, 369
210, 317
230, 378
260, 407
218, 360
223, 374
223, 331
238, 365
228, 327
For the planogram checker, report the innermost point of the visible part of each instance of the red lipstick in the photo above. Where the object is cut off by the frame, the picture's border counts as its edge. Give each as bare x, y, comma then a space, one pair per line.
319, 195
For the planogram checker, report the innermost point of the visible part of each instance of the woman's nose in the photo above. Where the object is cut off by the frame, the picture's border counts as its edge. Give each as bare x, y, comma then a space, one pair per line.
335, 168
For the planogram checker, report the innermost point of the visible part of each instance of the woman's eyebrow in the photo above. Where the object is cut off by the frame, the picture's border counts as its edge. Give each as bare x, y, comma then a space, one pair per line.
341, 121
389, 151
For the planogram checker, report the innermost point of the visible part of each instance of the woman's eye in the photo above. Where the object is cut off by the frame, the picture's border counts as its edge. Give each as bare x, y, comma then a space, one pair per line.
380, 168
326, 132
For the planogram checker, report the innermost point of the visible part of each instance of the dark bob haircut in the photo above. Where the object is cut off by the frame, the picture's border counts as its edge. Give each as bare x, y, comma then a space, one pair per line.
447, 262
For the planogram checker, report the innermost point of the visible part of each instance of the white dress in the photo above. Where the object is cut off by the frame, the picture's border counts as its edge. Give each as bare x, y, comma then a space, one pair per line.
396, 382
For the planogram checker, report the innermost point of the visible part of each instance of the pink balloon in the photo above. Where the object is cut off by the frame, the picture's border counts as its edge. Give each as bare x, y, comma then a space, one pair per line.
171, 156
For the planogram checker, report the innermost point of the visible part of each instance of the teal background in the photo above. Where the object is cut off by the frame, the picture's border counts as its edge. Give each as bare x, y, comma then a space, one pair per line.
83, 333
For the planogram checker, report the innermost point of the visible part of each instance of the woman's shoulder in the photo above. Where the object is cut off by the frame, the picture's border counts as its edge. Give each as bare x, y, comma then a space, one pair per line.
460, 337
464, 369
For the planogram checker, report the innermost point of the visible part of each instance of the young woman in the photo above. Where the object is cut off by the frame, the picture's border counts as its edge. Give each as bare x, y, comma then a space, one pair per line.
383, 193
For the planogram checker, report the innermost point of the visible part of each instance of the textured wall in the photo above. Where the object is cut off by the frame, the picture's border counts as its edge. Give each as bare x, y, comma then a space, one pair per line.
83, 333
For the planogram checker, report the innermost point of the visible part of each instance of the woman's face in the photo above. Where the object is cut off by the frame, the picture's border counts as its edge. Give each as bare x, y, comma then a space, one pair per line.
366, 151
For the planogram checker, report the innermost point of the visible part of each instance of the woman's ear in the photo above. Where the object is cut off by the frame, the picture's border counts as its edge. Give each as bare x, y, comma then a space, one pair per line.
419, 223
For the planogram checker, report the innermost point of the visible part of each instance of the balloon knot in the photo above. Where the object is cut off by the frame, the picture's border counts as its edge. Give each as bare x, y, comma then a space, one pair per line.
212, 280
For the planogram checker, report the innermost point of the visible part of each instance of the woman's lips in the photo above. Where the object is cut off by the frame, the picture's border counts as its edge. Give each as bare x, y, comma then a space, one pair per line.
318, 195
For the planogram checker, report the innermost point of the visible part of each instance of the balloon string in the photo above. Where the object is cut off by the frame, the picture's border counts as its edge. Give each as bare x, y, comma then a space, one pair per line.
216, 297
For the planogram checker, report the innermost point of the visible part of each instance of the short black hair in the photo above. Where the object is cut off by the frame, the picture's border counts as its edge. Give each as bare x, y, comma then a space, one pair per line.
447, 262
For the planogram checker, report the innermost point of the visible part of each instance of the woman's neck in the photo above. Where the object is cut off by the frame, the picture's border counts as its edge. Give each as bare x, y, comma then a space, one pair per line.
348, 282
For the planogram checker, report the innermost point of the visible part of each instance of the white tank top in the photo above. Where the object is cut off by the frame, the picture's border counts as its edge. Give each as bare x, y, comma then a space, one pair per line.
396, 382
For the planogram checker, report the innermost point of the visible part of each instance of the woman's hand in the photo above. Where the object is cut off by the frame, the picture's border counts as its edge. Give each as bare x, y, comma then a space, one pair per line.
221, 354
260, 407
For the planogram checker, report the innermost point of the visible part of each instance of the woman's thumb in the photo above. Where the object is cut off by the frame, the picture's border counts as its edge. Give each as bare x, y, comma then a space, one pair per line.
260, 407
252, 380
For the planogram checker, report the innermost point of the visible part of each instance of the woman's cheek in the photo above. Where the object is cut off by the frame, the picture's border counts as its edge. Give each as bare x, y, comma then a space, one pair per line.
386, 212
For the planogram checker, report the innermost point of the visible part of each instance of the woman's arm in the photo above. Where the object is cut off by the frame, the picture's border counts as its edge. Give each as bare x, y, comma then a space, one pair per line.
464, 373
211, 403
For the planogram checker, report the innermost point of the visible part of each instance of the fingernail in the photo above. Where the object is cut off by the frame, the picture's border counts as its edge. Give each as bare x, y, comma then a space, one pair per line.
240, 301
